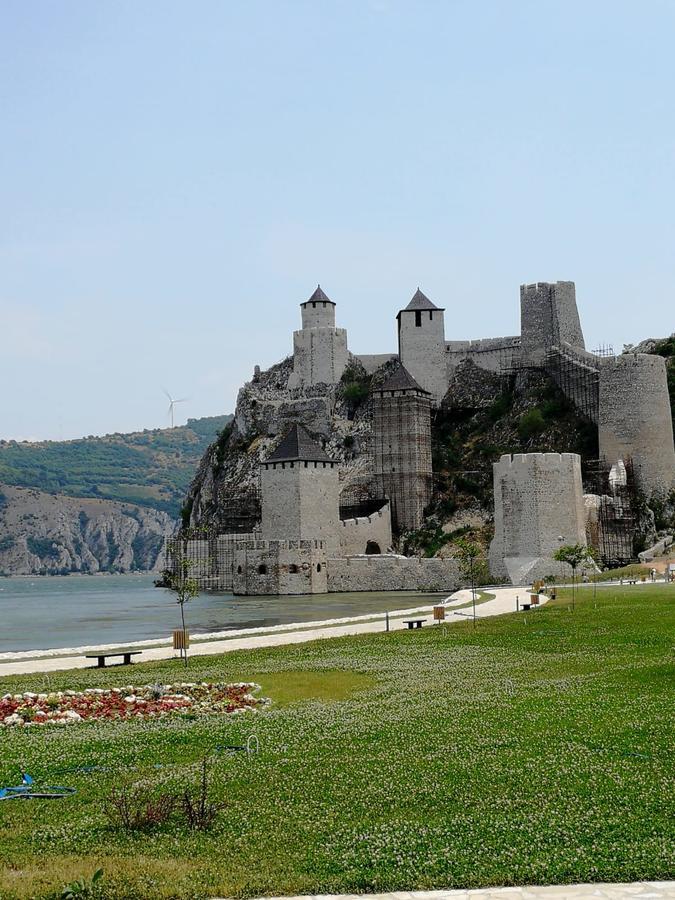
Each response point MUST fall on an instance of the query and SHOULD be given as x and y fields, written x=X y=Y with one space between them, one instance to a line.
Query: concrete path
x=639 y=890
x=47 y=661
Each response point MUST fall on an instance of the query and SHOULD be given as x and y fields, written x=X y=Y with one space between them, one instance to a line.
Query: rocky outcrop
x=47 y=534
x=338 y=416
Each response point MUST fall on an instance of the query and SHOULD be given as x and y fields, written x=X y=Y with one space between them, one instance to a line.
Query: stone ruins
x=337 y=489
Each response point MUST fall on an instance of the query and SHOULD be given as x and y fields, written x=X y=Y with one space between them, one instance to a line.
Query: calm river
x=50 y=612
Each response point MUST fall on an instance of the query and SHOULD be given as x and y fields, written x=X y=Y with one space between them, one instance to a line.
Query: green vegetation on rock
x=147 y=468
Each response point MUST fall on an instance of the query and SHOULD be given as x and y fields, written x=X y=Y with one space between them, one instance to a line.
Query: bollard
x=517 y=603
x=386 y=621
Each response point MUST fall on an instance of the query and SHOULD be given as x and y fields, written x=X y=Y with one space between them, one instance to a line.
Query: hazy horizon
x=175 y=181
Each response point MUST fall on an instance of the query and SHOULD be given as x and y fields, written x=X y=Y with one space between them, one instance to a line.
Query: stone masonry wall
x=493 y=354
x=392 y=573
x=300 y=501
x=422 y=349
x=635 y=421
x=320 y=356
x=548 y=317
x=355 y=534
x=280 y=567
x=539 y=506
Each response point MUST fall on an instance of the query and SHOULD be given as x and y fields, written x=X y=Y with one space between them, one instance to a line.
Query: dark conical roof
x=298 y=444
x=420 y=301
x=319 y=295
x=401 y=380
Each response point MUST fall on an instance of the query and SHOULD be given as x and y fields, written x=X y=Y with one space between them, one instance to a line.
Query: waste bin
x=181 y=639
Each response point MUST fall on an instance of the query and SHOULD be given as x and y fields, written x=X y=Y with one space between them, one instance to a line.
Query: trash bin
x=181 y=639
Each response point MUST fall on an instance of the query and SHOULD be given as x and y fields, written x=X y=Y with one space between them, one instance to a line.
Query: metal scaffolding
x=617 y=519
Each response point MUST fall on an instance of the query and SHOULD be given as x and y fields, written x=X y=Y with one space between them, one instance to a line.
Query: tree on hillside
x=574 y=555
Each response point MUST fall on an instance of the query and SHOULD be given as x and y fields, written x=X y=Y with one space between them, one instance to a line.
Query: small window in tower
x=314 y=305
x=318 y=567
x=239 y=570
x=418 y=318
x=293 y=569
x=262 y=569
x=431 y=314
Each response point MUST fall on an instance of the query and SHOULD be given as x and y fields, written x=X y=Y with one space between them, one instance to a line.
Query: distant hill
x=147 y=468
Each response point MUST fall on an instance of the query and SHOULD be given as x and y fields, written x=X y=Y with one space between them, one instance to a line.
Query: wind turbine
x=172 y=403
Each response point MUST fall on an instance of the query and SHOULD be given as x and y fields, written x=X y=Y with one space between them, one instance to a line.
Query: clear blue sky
x=175 y=178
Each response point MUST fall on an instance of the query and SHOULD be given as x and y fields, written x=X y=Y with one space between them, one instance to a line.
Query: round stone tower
x=320 y=352
x=421 y=345
x=539 y=506
x=634 y=419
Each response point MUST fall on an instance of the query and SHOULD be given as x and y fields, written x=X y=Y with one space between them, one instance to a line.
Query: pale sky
x=175 y=178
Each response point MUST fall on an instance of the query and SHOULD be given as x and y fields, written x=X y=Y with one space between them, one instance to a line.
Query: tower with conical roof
x=421 y=344
x=402 y=447
x=300 y=492
x=320 y=352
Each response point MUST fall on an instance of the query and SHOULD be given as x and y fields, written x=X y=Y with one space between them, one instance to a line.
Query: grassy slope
x=534 y=749
x=150 y=468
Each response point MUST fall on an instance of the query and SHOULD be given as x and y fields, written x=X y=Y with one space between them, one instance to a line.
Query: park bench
x=101 y=657
x=413 y=623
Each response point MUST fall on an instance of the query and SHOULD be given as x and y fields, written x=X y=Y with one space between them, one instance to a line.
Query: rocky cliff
x=46 y=534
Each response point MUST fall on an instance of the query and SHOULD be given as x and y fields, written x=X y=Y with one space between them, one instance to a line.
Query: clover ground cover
x=537 y=748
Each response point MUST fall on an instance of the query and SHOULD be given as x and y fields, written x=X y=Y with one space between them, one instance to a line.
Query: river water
x=78 y=610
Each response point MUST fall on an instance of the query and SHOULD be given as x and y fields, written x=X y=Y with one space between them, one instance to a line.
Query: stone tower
x=421 y=344
x=300 y=492
x=539 y=506
x=634 y=420
x=319 y=349
x=548 y=318
x=402 y=447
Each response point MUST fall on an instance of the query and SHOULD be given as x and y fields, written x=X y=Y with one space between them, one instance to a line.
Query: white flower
x=14 y=719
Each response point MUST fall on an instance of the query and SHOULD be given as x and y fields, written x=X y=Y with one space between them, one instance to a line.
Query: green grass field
x=536 y=748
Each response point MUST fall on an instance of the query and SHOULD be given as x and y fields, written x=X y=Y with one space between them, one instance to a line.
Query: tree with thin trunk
x=185 y=588
x=468 y=552
x=574 y=555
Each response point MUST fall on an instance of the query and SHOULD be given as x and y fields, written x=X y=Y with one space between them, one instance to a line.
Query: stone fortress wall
x=492 y=354
x=393 y=573
x=366 y=534
x=279 y=567
x=539 y=506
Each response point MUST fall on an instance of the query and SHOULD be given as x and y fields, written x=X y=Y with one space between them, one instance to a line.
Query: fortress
x=328 y=518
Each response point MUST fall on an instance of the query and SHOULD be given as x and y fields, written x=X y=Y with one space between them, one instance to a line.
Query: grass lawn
x=537 y=748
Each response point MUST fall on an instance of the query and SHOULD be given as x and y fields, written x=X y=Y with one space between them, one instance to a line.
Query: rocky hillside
x=43 y=534
x=146 y=468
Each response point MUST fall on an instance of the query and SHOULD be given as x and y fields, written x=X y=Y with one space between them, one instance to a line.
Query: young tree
x=185 y=588
x=574 y=555
x=468 y=552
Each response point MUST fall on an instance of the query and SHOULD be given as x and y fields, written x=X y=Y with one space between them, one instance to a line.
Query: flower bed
x=146 y=702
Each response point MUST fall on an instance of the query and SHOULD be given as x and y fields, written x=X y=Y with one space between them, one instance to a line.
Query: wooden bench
x=101 y=657
x=413 y=623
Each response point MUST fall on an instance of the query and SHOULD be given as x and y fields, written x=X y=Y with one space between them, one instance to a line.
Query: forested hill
x=148 y=468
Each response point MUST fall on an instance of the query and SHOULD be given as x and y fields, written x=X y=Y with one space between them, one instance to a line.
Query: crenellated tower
x=421 y=344
x=320 y=352
x=402 y=447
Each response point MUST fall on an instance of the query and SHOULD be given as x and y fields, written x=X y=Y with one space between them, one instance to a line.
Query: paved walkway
x=246 y=639
x=639 y=890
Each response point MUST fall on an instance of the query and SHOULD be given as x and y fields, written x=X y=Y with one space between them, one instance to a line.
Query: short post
x=386 y=621
x=517 y=603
